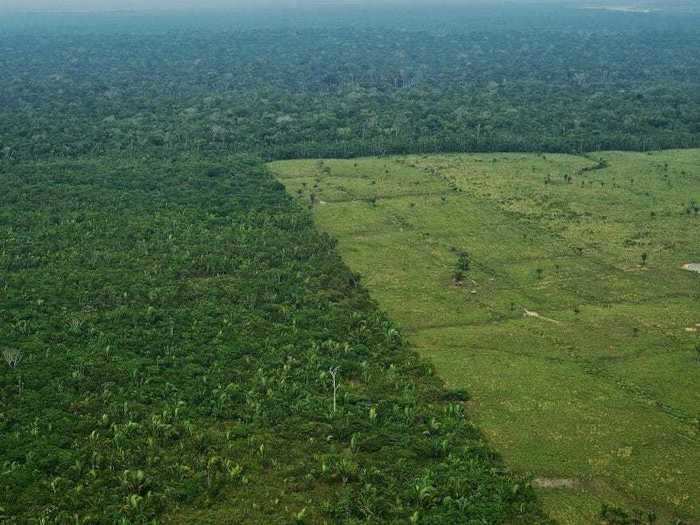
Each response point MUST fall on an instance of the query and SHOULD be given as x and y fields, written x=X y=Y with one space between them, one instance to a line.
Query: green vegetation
x=181 y=345
x=573 y=325
x=515 y=79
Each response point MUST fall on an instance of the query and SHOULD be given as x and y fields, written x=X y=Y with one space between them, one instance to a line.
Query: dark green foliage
x=546 y=79
x=177 y=322
x=611 y=515
x=463 y=261
x=167 y=326
x=461 y=267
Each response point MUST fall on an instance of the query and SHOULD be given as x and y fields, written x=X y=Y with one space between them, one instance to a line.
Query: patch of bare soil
x=530 y=313
x=692 y=267
x=554 y=483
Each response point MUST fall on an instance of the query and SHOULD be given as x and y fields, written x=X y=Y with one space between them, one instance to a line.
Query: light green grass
x=605 y=390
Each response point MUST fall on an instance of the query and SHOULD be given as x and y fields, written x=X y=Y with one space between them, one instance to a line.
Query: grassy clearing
x=600 y=388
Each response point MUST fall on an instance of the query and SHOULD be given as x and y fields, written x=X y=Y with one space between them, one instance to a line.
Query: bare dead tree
x=334 y=376
x=12 y=357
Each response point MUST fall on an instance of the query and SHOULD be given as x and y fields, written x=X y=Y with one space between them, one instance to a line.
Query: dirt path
x=530 y=313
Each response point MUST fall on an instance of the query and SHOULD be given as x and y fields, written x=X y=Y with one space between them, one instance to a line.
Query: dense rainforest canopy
x=175 y=326
x=546 y=79
x=179 y=343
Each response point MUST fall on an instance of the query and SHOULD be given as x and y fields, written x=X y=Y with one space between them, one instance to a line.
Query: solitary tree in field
x=463 y=265
x=463 y=262
x=645 y=256
x=692 y=208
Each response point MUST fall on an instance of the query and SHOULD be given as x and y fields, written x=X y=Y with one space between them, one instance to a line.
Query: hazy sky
x=134 y=4
x=100 y=5
x=161 y=4
x=61 y=5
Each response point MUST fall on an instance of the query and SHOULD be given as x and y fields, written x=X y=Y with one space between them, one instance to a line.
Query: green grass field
x=575 y=330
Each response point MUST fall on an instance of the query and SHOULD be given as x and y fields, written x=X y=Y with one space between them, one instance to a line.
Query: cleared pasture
x=576 y=329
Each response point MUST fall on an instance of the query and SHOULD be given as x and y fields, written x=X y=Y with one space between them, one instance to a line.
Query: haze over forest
x=97 y=5
x=317 y=262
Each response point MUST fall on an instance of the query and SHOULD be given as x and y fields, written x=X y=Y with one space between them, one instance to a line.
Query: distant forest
x=181 y=344
x=348 y=83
